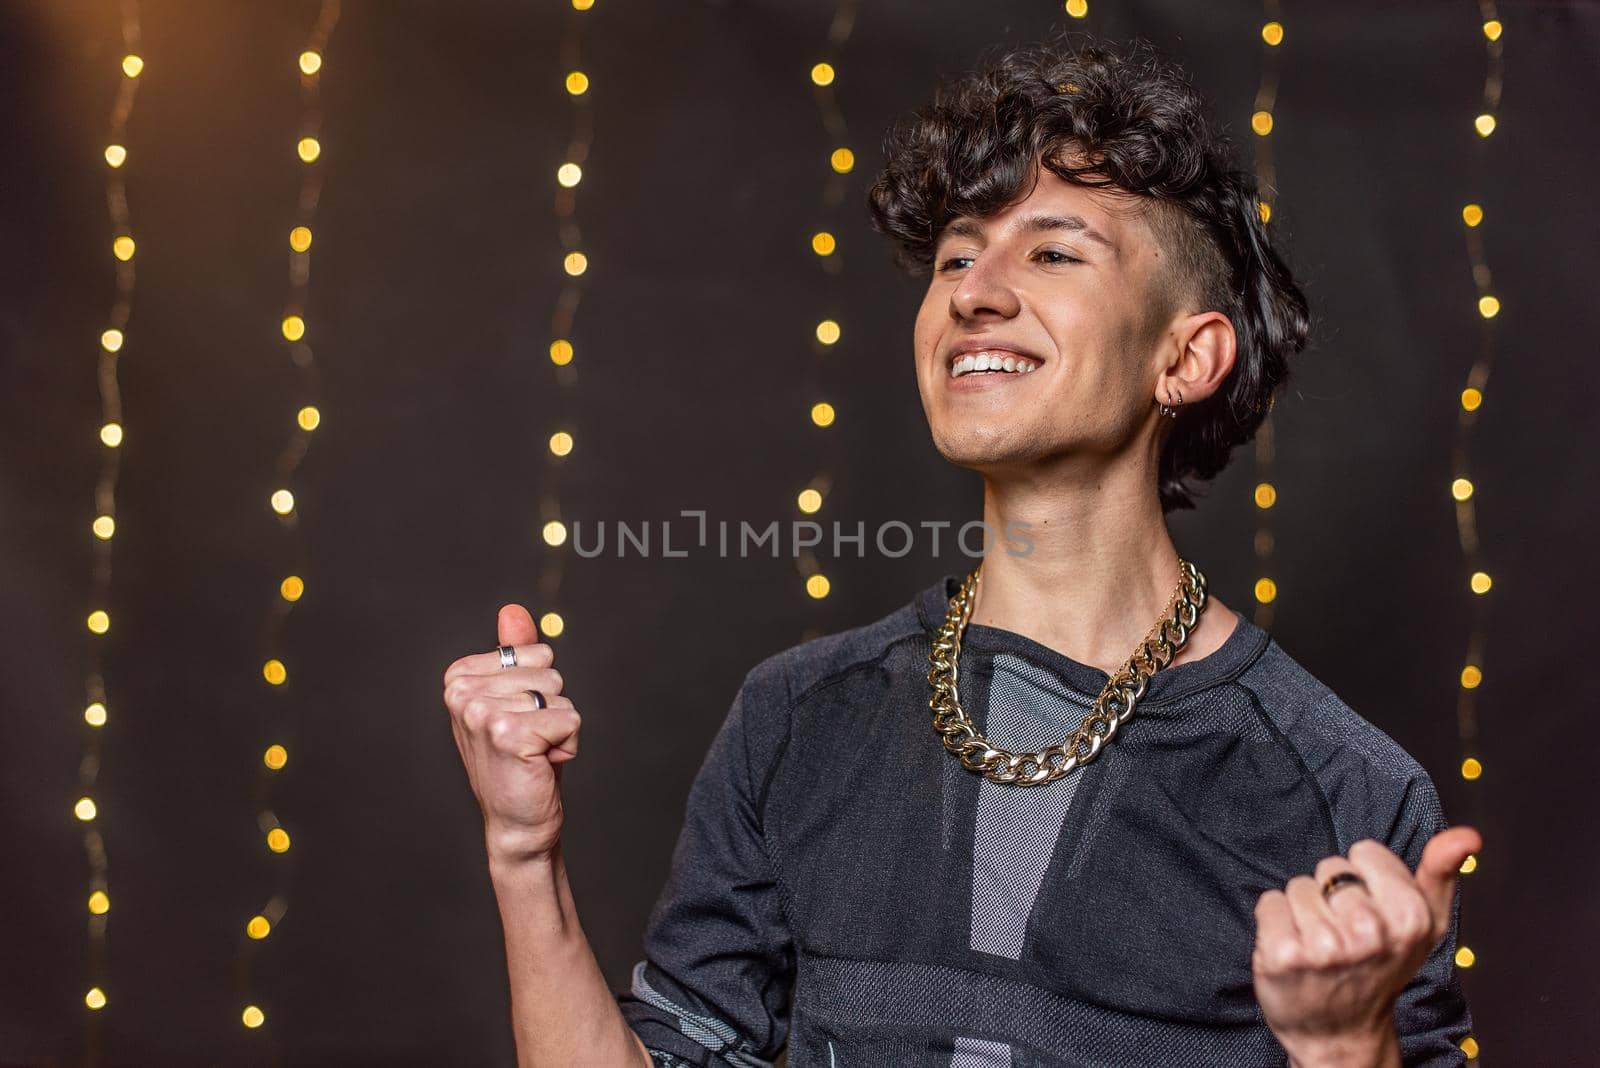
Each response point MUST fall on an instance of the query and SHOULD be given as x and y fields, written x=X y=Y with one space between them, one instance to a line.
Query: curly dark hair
x=1124 y=116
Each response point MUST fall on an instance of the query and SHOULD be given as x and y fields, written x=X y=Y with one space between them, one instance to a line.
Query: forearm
x=562 y=1010
x=1382 y=1051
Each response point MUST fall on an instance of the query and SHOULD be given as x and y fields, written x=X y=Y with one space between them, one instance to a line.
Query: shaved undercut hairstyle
x=1119 y=117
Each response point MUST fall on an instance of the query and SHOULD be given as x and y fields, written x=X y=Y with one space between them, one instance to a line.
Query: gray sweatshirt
x=842 y=886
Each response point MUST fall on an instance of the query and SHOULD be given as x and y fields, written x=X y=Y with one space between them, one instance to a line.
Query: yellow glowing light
x=99 y=621
x=569 y=175
x=253 y=1017
x=1472 y=214
x=1272 y=33
x=1465 y=958
x=817 y=586
x=1261 y=122
x=300 y=238
x=1469 y=1046
x=1481 y=582
x=132 y=65
x=810 y=501
x=274 y=672
x=561 y=443
x=1471 y=399
x=122 y=248
x=1266 y=495
x=95 y=714
x=308 y=417
x=575 y=263
x=561 y=352
x=1471 y=768
x=95 y=998
x=282 y=502
x=111 y=435
x=1266 y=590
x=292 y=588
x=577 y=83
x=309 y=148
x=1078 y=8
x=116 y=155
x=555 y=533
x=1484 y=124
x=310 y=62
x=99 y=903
x=104 y=527
x=1471 y=676
x=111 y=340
x=1488 y=307
x=84 y=809
x=275 y=757
x=258 y=927
x=823 y=243
x=278 y=840
x=1265 y=211
x=1469 y=865
x=582 y=5
x=1461 y=489
x=822 y=74
x=1492 y=29
x=294 y=328
x=822 y=413
x=828 y=331
x=843 y=160
x=551 y=625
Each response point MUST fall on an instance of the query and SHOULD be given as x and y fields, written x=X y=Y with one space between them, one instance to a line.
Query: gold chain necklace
x=1112 y=708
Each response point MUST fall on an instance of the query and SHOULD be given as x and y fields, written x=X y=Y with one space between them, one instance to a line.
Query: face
x=1055 y=292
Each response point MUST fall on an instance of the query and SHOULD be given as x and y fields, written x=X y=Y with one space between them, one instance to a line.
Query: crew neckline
x=1236 y=652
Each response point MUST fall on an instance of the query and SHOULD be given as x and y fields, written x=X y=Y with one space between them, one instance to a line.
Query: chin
x=981 y=451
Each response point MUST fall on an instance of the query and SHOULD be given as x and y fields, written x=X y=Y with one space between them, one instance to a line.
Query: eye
x=1064 y=258
x=945 y=266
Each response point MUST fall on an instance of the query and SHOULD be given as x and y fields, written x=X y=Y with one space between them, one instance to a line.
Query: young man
x=1243 y=871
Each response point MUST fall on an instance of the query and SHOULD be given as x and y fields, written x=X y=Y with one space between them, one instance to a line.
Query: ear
x=1203 y=348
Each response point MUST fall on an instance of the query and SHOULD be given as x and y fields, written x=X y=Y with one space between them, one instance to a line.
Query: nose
x=984 y=290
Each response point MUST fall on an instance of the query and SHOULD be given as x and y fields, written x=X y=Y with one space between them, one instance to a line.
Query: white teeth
x=985 y=361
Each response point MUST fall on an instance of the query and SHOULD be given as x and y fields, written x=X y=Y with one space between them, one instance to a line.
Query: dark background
x=434 y=274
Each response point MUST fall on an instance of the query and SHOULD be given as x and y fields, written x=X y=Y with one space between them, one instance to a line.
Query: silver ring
x=538 y=699
x=508 y=656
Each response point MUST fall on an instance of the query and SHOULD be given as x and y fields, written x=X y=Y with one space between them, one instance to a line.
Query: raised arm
x=563 y=1013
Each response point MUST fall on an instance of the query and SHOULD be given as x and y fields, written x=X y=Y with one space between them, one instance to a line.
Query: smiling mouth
x=991 y=362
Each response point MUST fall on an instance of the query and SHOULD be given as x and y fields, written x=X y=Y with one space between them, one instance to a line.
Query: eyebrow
x=1033 y=224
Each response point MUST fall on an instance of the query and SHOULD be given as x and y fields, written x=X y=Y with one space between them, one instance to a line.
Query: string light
x=1465 y=491
x=828 y=254
x=278 y=718
x=563 y=433
x=112 y=339
x=1265 y=495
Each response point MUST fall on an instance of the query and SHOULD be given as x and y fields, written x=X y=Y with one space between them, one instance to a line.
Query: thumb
x=1441 y=861
x=515 y=625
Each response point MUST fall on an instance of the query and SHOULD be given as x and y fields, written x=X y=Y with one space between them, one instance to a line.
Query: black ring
x=1339 y=879
x=538 y=699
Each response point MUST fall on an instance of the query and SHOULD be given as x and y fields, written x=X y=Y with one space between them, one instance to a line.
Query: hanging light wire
x=278 y=743
x=563 y=438
x=1264 y=494
x=827 y=332
x=113 y=344
x=1464 y=489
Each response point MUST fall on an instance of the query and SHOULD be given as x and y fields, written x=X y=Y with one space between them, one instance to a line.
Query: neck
x=1102 y=569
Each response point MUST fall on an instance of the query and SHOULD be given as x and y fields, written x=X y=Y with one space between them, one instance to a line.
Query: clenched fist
x=1328 y=967
x=513 y=750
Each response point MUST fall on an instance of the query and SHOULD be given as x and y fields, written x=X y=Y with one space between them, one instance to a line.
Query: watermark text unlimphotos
x=692 y=532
